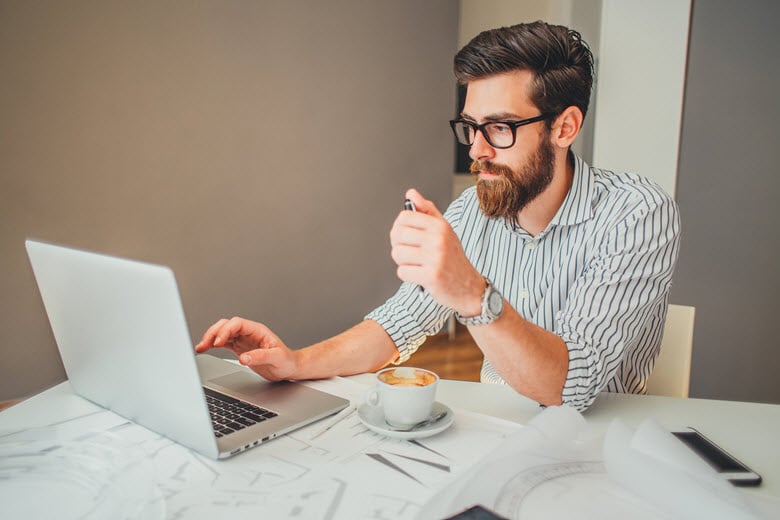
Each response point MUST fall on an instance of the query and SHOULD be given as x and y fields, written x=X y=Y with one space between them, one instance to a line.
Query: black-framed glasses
x=498 y=134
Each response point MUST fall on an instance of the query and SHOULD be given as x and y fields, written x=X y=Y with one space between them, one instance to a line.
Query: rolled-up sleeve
x=411 y=314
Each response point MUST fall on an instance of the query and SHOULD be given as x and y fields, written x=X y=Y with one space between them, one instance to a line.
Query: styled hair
x=559 y=59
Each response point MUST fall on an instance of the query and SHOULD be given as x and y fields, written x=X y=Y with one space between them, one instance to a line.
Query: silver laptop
x=121 y=331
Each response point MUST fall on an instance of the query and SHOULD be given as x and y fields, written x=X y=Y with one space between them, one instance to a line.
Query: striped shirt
x=598 y=276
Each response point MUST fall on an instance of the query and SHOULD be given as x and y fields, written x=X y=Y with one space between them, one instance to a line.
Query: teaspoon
x=430 y=420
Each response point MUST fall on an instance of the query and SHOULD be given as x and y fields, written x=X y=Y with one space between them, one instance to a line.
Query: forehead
x=500 y=94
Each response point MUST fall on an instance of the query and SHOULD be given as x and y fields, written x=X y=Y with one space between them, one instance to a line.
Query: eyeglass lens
x=499 y=135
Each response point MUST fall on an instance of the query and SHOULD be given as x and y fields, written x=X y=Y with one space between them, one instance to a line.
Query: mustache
x=487 y=166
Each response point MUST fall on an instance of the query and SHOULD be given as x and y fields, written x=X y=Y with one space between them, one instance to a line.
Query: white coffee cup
x=405 y=395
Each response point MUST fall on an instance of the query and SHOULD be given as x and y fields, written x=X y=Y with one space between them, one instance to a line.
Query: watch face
x=495 y=303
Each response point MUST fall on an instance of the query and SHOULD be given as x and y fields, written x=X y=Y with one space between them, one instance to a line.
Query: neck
x=538 y=213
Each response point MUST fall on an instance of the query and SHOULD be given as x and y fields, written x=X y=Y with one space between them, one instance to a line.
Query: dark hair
x=560 y=60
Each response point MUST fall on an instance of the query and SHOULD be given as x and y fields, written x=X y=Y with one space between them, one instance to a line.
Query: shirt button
x=524 y=294
x=531 y=245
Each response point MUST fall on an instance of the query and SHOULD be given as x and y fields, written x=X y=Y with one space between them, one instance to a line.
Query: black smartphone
x=723 y=462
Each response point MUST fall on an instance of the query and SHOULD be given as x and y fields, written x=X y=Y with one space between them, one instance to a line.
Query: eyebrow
x=500 y=116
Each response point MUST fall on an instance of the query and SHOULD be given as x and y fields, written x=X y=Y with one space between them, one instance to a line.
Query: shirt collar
x=577 y=207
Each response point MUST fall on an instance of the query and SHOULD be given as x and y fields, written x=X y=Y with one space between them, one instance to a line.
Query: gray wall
x=261 y=149
x=728 y=186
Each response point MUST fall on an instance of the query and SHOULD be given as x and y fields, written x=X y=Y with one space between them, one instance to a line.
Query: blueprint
x=112 y=465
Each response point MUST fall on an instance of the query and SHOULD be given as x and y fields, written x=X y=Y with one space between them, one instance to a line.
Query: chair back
x=672 y=372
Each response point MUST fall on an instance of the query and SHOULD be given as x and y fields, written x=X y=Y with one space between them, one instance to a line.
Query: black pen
x=409 y=205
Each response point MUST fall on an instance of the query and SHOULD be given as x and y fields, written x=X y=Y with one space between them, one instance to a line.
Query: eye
x=499 y=128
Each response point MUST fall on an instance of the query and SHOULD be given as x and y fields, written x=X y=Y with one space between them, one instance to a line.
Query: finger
x=257 y=333
x=411 y=273
x=256 y=357
x=409 y=219
x=406 y=235
x=207 y=341
x=276 y=358
x=200 y=348
x=407 y=255
x=422 y=204
x=224 y=331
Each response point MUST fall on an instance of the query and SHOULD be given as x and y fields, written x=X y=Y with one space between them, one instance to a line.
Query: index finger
x=225 y=331
x=207 y=340
x=422 y=204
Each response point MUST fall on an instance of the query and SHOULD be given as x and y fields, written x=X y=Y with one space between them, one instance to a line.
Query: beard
x=508 y=195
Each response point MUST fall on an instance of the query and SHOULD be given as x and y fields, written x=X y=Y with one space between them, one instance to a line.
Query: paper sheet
x=544 y=471
x=656 y=466
x=348 y=472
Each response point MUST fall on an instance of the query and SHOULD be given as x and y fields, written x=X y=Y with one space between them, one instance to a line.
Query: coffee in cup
x=405 y=395
x=406 y=376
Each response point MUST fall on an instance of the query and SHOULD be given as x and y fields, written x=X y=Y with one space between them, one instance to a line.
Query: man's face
x=508 y=179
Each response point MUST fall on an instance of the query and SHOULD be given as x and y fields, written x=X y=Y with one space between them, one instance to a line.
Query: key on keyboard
x=229 y=414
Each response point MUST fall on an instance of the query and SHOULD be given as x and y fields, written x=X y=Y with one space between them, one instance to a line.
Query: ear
x=567 y=127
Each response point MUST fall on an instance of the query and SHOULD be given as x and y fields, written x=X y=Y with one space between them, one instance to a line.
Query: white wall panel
x=640 y=86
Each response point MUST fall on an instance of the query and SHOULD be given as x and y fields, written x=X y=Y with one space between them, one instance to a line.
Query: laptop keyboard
x=229 y=415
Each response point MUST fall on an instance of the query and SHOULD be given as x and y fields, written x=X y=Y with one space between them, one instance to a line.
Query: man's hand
x=255 y=345
x=429 y=253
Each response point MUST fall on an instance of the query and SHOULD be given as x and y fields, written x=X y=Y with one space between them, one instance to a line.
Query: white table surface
x=750 y=431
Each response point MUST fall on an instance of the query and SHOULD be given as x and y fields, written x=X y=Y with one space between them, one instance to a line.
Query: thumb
x=259 y=356
x=422 y=204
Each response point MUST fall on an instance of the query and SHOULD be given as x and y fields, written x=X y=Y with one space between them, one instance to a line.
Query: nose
x=480 y=149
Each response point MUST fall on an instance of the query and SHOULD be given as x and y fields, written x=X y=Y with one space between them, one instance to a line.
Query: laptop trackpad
x=241 y=382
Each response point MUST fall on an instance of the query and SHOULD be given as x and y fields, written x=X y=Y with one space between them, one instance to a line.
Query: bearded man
x=560 y=271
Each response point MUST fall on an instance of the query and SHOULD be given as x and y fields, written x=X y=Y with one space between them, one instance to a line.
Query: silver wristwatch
x=492 y=307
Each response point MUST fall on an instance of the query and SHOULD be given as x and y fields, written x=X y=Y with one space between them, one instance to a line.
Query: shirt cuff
x=393 y=323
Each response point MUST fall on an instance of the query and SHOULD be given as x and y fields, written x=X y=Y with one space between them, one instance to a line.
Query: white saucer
x=373 y=419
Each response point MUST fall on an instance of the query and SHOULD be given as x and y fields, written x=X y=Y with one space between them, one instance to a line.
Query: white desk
x=750 y=431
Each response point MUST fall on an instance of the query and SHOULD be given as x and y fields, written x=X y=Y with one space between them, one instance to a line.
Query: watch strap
x=487 y=316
